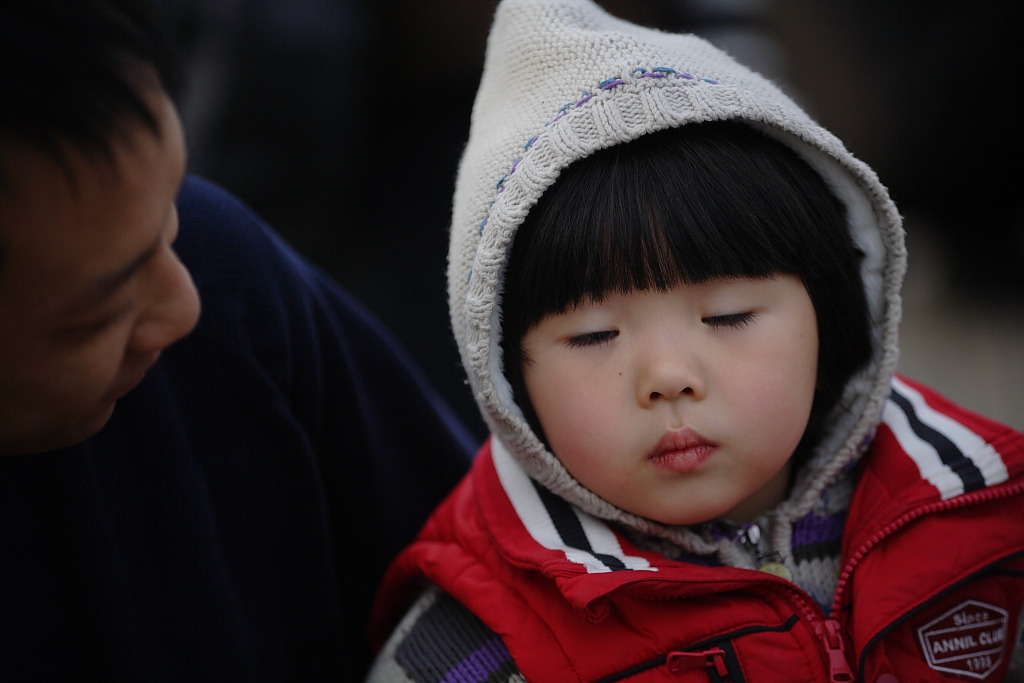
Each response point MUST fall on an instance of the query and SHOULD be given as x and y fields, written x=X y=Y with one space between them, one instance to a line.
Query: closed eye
x=591 y=339
x=733 y=320
x=90 y=329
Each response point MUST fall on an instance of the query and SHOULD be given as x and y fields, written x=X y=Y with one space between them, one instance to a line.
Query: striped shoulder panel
x=448 y=643
x=954 y=459
x=559 y=526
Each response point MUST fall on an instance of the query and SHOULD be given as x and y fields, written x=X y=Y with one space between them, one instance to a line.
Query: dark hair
x=70 y=72
x=686 y=205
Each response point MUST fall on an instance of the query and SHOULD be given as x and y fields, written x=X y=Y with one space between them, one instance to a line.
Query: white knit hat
x=563 y=79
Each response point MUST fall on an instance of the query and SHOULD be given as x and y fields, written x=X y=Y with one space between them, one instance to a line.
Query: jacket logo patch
x=968 y=640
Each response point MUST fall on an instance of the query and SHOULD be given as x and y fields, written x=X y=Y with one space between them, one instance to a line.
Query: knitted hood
x=563 y=79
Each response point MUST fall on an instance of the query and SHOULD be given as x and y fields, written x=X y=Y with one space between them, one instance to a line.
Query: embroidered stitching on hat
x=604 y=86
x=968 y=640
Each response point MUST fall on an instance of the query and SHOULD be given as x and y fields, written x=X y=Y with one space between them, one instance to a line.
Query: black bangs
x=678 y=206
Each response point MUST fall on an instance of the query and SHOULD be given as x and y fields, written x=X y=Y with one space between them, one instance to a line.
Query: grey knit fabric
x=562 y=79
x=440 y=640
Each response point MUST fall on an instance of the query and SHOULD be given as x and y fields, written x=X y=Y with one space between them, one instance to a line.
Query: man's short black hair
x=687 y=205
x=71 y=72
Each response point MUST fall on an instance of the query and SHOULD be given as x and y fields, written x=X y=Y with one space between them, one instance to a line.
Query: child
x=677 y=299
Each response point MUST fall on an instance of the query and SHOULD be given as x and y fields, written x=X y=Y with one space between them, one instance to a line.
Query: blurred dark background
x=342 y=122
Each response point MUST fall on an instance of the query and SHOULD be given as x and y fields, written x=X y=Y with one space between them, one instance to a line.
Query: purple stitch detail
x=815 y=529
x=719 y=531
x=478 y=666
x=607 y=84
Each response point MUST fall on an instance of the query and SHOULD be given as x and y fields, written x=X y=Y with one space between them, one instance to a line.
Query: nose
x=173 y=308
x=670 y=372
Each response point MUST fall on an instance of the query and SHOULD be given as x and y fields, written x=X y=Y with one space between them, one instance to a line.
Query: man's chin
x=56 y=439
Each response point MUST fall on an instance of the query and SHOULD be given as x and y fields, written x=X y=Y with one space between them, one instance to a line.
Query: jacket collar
x=927 y=452
x=585 y=556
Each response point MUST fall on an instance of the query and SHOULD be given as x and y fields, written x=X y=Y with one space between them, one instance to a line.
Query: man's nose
x=173 y=310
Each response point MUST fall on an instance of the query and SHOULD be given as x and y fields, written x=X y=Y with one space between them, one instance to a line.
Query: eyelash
x=590 y=339
x=733 y=320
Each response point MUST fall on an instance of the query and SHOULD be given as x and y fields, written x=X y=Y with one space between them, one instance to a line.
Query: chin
x=63 y=432
x=87 y=427
x=683 y=519
x=693 y=516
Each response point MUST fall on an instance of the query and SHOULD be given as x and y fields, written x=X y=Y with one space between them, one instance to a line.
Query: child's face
x=680 y=406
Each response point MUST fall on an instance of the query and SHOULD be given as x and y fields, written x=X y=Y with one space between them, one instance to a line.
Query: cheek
x=553 y=402
x=581 y=420
x=775 y=406
x=57 y=396
x=89 y=369
x=776 y=395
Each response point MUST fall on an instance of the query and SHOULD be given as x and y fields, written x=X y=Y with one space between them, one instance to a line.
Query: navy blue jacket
x=233 y=518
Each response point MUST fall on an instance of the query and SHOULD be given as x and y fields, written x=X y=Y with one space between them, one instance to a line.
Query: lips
x=682 y=450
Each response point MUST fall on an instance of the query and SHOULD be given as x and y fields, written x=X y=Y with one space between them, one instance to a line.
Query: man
x=208 y=451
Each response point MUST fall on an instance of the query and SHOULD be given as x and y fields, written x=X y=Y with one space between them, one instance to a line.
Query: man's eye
x=90 y=329
x=95 y=327
x=592 y=339
x=733 y=320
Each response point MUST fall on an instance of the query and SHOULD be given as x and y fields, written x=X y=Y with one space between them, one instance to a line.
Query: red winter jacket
x=931 y=590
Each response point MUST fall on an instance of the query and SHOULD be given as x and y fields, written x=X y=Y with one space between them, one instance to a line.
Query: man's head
x=91 y=159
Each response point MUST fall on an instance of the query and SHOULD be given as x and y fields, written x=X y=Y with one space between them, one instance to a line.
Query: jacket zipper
x=831 y=636
x=707 y=654
x=826 y=628
x=977 y=497
x=982 y=496
x=829 y=633
x=713 y=659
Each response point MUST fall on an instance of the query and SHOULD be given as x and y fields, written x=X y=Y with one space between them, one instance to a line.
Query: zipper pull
x=708 y=659
x=839 y=668
x=750 y=539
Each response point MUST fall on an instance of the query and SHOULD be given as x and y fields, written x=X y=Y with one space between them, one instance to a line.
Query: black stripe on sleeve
x=950 y=455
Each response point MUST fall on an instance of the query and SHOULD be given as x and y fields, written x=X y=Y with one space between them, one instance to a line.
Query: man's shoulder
x=247 y=275
x=218 y=231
